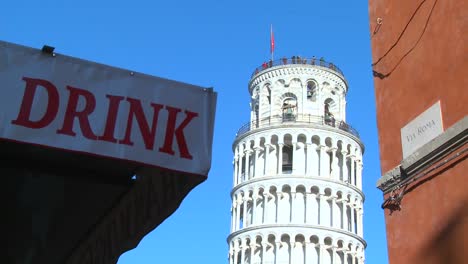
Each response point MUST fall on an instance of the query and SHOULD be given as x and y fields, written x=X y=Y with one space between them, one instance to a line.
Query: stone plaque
x=421 y=130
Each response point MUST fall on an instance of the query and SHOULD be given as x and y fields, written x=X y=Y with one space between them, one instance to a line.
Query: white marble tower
x=297 y=195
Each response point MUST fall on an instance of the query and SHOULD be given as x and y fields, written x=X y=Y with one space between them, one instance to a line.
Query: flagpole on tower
x=272 y=42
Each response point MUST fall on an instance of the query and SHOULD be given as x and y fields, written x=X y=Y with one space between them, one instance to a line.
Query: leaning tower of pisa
x=297 y=195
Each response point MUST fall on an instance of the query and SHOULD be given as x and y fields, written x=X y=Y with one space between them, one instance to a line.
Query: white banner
x=76 y=105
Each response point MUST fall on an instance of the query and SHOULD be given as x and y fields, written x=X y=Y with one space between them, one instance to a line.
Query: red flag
x=272 y=40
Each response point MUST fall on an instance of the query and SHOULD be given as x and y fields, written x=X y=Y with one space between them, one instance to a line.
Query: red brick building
x=420 y=63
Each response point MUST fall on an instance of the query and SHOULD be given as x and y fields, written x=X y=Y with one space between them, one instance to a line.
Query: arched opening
x=257 y=254
x=328 y=253
x=328 y=157
x=287 y=162
x=328 y=112
x=250 y=164
x=314 y=206
x=311 y=91
x=270 y=206
x=287 y=159
x=328 y=208
x=260 y=161
x=259 y=207
x=300 y=155
x=249 y=219
x=241 y=214
x=313 y=250
x=314 y=160
x=341 y=252
x=289 y=109
x=355 y=221
x=298 y=251
x=284 y=250
x=256 y=111
x=341 y=161
x=348 y=217
x=270 y=250
x=299 y=204
x=341 y=209
x=284 y=205
x=247 y=251
x=271 y=157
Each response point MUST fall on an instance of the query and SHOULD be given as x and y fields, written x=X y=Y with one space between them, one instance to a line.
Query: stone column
x=294 y=165
x=323 y=217
x=268 y=162
x=334 y=165
x=311 y=206
x=308 y=159
x=247 y=164
x=345 y=215
x=351 y=180
x=254 y=207
x=264 y=247
x=238 y=213
x=244 y=212
x=292 y=204
x=335 y=213
x=306 y=252
x=360 y=222
x=253 y=246
x=320 y=253
x=307 y=207
x=324 y=162
x=243 y=247
x=233 y=216
x=353 y=227
x=359 y=174
x=345 y=166
x=236 y=257
x=280 y=158
x=334 y=255
x=241 y=162
x=256 y=173
x=279 y=196
x=265 y=200
x=236 y=160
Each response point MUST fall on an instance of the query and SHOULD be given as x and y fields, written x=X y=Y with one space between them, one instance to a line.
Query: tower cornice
x=296 y=69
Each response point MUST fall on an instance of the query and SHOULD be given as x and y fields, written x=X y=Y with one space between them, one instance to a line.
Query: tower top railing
x=298 y=119
x=297 y=60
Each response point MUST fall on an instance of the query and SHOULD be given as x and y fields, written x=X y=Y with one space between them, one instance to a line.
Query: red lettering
x=137 y=111
x=71 y=113
x=179 y=132
x=114 y=102
x=24 y=115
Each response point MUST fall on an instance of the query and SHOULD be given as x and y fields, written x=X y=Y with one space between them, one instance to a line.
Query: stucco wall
x=426 y=64
x=429 y=207
x=420 y=57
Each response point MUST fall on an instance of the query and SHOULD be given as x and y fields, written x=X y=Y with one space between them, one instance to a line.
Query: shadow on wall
x=451 y=244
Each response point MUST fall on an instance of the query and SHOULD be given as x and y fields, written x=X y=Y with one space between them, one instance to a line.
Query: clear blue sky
x=216 y=44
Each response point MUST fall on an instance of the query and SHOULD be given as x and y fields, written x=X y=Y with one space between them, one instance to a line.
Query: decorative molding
x=295 y=69
x=312 y=127
x=266 y=229
x=426 y=156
